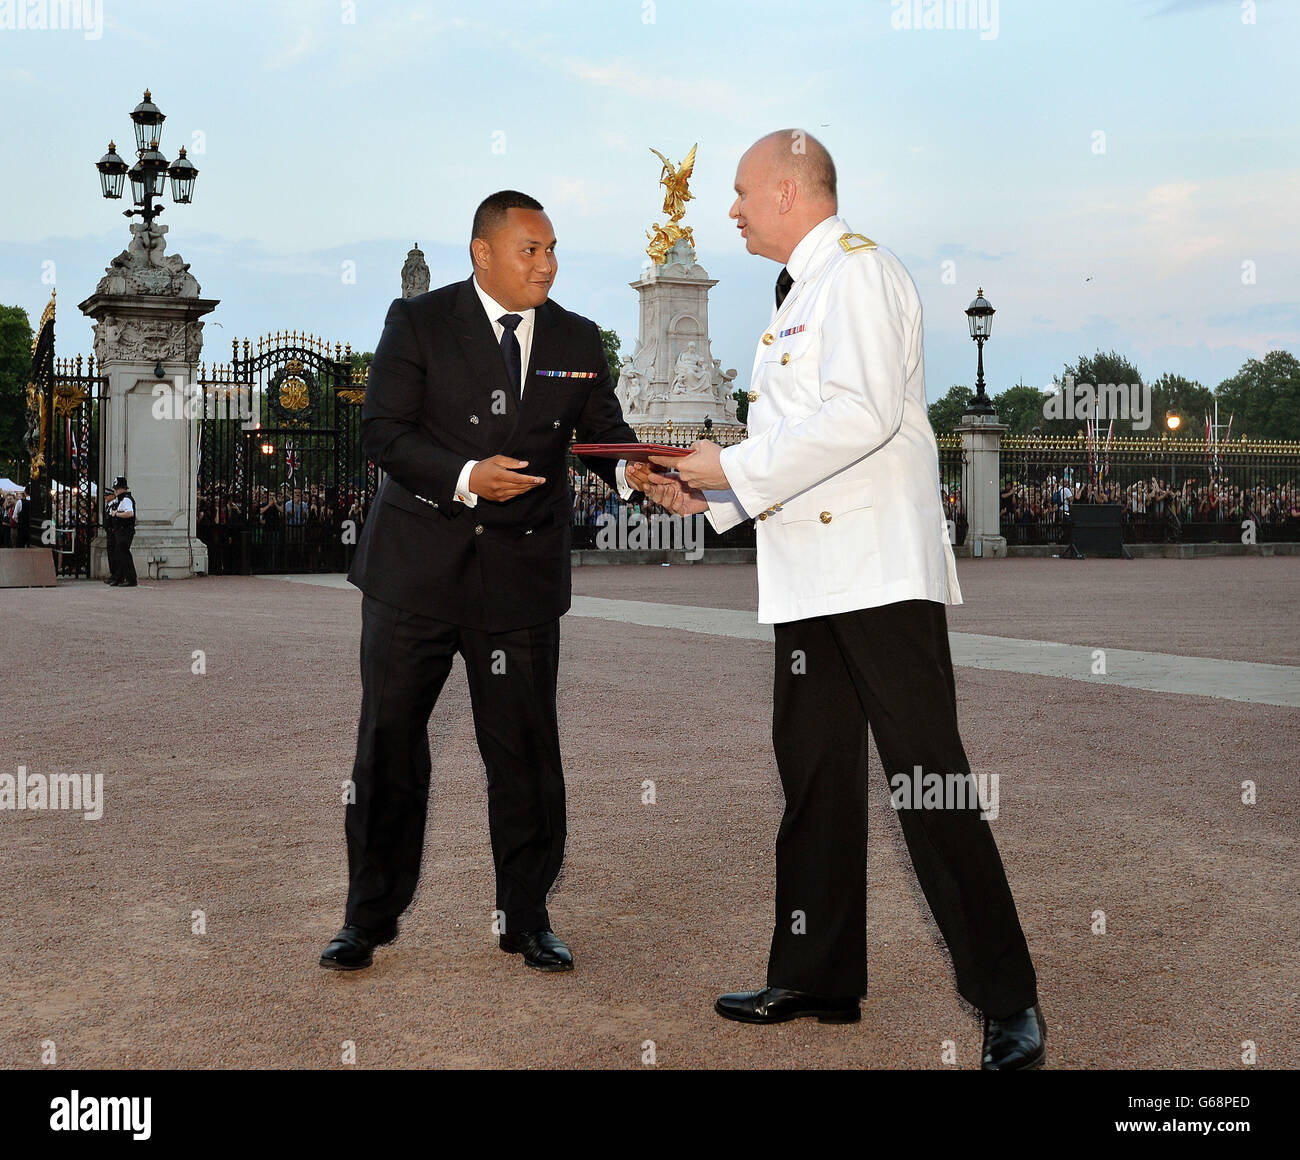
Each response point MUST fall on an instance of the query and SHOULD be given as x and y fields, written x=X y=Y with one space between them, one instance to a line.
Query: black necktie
x=783 y=284
x=510 y=349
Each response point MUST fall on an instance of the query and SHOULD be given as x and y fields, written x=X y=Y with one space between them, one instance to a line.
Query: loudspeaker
x=1097 y=529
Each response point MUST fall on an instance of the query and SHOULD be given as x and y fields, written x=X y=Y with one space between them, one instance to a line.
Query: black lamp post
x=979 y=314
x=150 y=172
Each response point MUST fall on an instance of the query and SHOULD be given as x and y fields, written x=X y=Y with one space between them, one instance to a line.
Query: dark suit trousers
x=889 y=668
x=120 y=546
x=405 y=659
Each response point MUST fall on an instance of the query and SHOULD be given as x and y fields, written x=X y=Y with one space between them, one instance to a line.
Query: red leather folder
x=632 y=452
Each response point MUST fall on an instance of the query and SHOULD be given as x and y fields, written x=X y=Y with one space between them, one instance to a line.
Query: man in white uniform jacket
x=840 y=470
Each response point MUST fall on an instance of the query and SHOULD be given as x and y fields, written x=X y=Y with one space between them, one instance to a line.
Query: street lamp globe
x=155 y=169
x=979 y=315
x=182 y=172
x=112 y=171
x=148 y=119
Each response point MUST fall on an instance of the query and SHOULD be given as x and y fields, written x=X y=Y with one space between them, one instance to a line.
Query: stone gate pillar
x=981 y=482
x=148 y=336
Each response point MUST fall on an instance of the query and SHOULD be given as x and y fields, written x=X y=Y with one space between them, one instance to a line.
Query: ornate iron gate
x=283 y=483
x=63 y=442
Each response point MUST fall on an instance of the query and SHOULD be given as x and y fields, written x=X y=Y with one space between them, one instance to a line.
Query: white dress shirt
x=524 y=333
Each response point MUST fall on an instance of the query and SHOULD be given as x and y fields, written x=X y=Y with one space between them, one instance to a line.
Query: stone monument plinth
x=672 y=374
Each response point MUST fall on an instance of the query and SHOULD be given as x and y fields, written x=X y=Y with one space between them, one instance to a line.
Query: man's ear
x=787 y=189
x=480 y=250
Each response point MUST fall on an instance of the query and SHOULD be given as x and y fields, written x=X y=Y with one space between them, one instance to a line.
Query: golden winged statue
x=674 y=180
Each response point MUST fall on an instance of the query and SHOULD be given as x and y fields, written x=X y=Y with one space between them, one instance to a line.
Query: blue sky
x=329 y=133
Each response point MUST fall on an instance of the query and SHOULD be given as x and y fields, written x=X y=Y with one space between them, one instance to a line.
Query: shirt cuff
x=725 y=510
x=625 y=490
x=463 y=493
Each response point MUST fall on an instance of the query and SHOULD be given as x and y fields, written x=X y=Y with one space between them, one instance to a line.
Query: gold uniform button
x=825 y=517
x=785 y=358
x=752 y=396
x=762 y=515
x=768 y=339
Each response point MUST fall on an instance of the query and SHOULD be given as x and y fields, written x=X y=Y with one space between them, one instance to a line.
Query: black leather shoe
x=1016 y=1043
x=542 y=950
x=777 y=1005
x=352 y=947
x=129 y=584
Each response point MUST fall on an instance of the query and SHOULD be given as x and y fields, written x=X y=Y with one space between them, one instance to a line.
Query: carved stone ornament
x=143 y=268
x=155 y=340
x=415 y=273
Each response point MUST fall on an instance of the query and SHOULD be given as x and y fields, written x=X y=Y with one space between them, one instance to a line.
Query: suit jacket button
x=473 y=418
x=478 y=528
x=825 y=517
x=556 y=423
x=752 y=396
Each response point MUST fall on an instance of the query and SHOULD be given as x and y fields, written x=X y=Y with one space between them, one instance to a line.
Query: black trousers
x=121 y=564
x=889 y=667
x=405 y=659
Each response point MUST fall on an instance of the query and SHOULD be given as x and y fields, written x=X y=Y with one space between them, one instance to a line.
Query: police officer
x=854 y=570
x=110 y=534
x=122 y=517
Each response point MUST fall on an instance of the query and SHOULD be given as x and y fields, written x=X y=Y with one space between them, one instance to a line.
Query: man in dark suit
x=474 y=392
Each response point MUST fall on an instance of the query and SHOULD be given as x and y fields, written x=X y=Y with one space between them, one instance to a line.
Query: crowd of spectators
x=285 y=528
x=1161 y=508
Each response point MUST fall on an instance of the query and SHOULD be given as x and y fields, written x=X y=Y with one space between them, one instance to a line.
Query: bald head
x=785 y=185
x=800 y=157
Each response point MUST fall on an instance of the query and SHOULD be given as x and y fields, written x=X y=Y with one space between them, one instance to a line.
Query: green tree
x=15 y=367
x=1264 y=396
x=1189 y=399
x=1103 y=368
x=742 y=405
x=946 y=413
x=610 y=341
x=1021 y=408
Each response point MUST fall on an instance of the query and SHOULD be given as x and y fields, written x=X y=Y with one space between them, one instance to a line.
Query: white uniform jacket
x=840 y=467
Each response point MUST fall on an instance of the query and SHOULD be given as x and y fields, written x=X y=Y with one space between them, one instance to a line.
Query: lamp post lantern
x=150 y=172
x=979 y=315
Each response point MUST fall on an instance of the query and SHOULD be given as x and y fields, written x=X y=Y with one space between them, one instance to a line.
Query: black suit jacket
x=439 y=394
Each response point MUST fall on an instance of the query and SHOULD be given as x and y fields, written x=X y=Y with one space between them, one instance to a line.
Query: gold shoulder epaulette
x=851 y=242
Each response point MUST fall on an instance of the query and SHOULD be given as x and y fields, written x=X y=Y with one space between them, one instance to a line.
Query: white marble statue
x=690 y=375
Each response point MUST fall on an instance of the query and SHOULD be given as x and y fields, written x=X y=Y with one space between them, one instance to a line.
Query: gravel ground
x=222 y=795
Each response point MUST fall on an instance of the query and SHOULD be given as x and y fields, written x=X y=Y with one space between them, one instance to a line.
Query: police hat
x=119 y=483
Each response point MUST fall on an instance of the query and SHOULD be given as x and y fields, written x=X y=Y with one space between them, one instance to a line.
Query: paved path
x=1250 y=681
